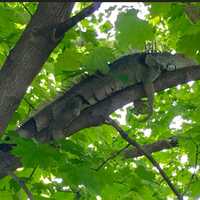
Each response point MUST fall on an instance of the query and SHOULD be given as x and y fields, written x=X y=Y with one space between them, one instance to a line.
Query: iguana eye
x=171 y=67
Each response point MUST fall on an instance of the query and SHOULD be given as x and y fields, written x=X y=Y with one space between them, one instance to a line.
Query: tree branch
x=33 y=172
x=150 y=148
x=71 y=22
x=22 y=185
x=27 y=10
x=132 y=142
x=195 y=169
x=8 y=161
x=134 y=152
x=193 y=12
x=28 y=56
x=92 y=115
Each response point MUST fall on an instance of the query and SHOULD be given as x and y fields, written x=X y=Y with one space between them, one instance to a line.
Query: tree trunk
x=28 y=56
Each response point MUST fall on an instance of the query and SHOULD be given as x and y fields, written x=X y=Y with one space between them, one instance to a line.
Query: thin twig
x=30 y=105
x=195 y=166
x=32 y=173
x=22 y=185
x=114 y=154
x=28 y=11
x=125 y=136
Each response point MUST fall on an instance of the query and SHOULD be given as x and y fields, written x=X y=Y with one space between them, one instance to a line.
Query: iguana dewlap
x=126 y=71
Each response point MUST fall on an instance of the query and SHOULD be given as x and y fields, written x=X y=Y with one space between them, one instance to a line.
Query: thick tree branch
x=28 y=56
x=132 y=142
x=32 y=50
x=92 y=115
x=8 y=163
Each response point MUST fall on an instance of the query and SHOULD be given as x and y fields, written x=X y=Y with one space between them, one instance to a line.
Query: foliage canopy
x=65 y=170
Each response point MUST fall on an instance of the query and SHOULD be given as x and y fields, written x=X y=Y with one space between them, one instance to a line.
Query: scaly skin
x=126 y=71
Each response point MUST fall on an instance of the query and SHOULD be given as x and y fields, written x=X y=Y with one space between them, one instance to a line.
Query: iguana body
x=125 y=71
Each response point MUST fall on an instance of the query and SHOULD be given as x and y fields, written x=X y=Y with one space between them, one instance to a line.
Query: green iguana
x=126 y=71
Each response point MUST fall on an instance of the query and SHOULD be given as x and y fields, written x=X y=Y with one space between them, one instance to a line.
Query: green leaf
x=6 y=195
x=33 y=154
x=72 y=147
x=70 y=59
x=98 y=59
x=132 y=32
x=89 y=36
x=63 y=195
x=195 y=189
x=106 y=27
x=144 y=173
x=188 y=44
x=70 y=163
x=159 y=9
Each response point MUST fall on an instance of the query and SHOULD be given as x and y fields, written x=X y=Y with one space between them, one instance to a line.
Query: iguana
x=126 y=71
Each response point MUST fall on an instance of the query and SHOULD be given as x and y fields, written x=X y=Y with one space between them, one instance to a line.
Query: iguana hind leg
x=70 y=112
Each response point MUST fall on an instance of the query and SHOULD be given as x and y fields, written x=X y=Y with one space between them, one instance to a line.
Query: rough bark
x=8 y=163
x=95 y=114
x=151 y=148
x=44 y=31
x=148 y=155
x=28 y=56
x=26 y=60
x=193 y=12
x=32 y=50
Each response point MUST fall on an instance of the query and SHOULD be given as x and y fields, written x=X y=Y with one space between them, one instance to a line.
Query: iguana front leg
x=149 y=90
x=140 y=105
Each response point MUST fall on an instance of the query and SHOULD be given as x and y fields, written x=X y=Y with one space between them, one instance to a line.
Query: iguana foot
x=139 y=107
x=142 y=108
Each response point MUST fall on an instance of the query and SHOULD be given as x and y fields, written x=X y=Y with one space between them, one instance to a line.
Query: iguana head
x=168 y=61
